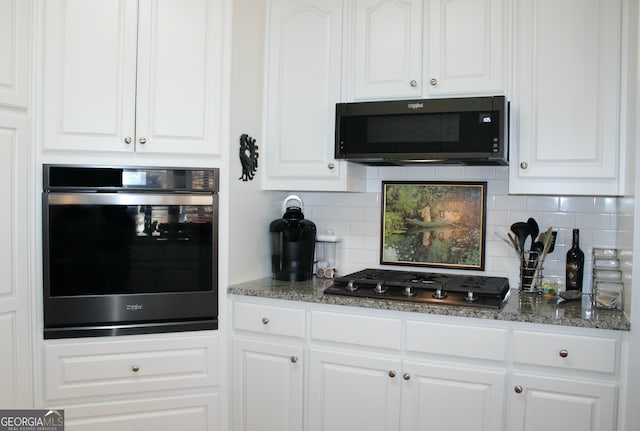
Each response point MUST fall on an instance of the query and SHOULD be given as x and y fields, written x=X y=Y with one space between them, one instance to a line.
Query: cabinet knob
x=392 y=373
x=406 y=376
x=564 y=353
x=265 y=321
x=524 y=165
x=294 y=359
x=413 y=83
x=433 y=82
x=518 y=389
x=135 y=368
x=142 y=140
x=331 y=166
x=127 y=139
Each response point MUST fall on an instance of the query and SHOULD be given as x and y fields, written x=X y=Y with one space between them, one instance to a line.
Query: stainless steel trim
x=128 y=199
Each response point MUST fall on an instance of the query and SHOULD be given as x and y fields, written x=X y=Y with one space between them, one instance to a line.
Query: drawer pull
x=406 y=376
x=294 y=359
x=564 y=353
x=392 y=373
x=518 y=389
x=265 y=321
x=135 y=368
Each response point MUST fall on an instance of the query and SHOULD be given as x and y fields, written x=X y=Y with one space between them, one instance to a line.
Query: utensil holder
x=530 y=279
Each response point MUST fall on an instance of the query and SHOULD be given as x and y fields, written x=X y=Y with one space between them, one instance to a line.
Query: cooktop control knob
x=409 y=291
x=352 y=286
x=439 y=293
x=380 y=288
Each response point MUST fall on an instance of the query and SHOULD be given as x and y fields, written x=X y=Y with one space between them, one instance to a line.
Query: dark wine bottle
x=575 y=264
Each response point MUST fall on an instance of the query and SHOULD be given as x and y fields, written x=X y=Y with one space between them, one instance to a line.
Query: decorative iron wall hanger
x=248 y=157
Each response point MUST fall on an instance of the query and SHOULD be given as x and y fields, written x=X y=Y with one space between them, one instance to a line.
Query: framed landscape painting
x=436 y=224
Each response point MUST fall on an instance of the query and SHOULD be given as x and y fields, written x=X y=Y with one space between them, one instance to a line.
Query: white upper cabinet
x=387 y=48
x=414 y=49
x=303 y=67
x=14 y=52
x=566 y=115
x=467 y=45
x=133 y=75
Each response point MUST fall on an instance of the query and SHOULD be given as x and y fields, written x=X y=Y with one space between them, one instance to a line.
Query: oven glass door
x=128 y=243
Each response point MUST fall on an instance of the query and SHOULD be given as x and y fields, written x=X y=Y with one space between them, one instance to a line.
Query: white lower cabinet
x=386 y=370
x=267 y=388
x=451 y=397
x=565 y=380
x=539 y=403
x=268 y=367
x=141 y=382
x=350 y=391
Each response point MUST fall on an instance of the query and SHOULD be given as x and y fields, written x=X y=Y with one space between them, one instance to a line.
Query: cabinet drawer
x=360 y=330
x=268 y=319
x=90 y=368
x=201 y=412
x=565 y=351
x=457 y=340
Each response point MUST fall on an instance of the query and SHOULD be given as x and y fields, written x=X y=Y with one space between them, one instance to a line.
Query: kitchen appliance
x=467 y=131
x=129 y=250
x=293 y=241
x=424 y=287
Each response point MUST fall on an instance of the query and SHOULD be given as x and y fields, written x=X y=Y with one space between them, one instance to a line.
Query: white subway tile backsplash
x=577 y=203
x=356 y=218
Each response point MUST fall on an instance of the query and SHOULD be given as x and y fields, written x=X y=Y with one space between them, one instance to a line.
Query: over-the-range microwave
x=466 y=130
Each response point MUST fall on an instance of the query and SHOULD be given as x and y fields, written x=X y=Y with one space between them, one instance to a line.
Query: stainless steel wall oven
x=129 y=250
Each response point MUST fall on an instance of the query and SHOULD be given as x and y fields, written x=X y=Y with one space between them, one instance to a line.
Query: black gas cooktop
x=424 y=287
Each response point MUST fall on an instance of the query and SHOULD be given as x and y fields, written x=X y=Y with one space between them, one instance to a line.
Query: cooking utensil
x=548 y=237
x=522 y=231
x=535 y=229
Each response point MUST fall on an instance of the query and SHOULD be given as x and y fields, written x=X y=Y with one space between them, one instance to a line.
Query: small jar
x=608 y=295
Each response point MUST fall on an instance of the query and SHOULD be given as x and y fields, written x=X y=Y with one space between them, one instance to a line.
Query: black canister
x=293 y=242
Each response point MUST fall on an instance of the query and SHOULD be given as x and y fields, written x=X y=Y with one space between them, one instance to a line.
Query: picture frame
x=438 y=224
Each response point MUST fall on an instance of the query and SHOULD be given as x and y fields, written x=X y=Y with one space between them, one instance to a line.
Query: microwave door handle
x=129 y=199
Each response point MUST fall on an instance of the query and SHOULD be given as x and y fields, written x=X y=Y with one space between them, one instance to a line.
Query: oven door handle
x=129 y=199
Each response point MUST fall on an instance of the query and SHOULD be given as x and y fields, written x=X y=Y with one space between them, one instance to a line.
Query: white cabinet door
x=353 y=392
x=15 y=356
x=179 y=87
x=267 y=386
x=448 y=398
x=543 y=403
x=133 y=75
x=467 y=47
x=14 y=52
x=387 y=49
x=303 y=67
x=89 y=74
x=567 y=93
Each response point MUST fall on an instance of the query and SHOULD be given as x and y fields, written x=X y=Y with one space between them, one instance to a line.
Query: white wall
x=356 y=218
x=251 y=210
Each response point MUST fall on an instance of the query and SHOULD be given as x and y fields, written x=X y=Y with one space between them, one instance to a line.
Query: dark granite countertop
x=519 y=308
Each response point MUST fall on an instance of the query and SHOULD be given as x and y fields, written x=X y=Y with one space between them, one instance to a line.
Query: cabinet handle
x=433 y=82
x=524 y=165
x=564 y=353
x=406 y=376
x=413 y=83
x=142 y=140
x=127 y=139
x=392 y=373
x=518 y=389
x=331 y=166
x=135 y=368
x=294 y=359
x=265 y=321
